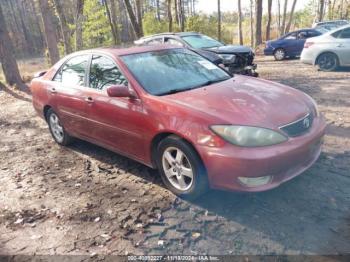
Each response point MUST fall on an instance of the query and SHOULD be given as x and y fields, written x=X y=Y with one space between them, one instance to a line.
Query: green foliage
x=152 y=26
x=96 y=29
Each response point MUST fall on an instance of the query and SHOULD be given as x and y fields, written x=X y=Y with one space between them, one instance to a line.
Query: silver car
x=328 y=51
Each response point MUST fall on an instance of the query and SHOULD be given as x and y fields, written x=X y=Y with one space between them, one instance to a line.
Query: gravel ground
x=86 y=200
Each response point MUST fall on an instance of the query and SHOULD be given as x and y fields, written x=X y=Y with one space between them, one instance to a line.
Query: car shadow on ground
x=306 y=214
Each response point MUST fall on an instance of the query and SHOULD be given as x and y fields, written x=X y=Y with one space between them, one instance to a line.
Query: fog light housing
x=254 y=181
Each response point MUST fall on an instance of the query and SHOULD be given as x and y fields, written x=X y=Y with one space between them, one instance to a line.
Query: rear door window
x=291 y=36
x=73 y=71
x=345 y=34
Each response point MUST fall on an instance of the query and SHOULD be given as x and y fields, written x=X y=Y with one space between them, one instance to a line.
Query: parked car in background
x=236 y=58
x=329 y=50
x=173 y=110
x=291 y=44
x=330 y=25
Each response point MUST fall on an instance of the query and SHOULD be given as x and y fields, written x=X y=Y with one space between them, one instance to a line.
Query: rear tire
x=57 y=130
x=327 y=62
x=279 y=54
x=181 y=168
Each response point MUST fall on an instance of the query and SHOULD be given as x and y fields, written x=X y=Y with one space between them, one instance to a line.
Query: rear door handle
x=53 y=90
x=89 y=100
x=340 y=45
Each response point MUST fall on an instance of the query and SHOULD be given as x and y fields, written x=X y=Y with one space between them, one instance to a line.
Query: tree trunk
x=258 y=20
x=79 y=17
x=283 y=26
x=240 y=33
x=291 y=17
x=132 y=19
x=219 y=20
x=176 y=13
x=139 y=15
x=115 y=19
x=170 y=17
x=108 y=12
x=64 y=27
x=279 y=17
x=320 y=11
x=181 y=15
x=50 y=32
x=7 y=59
x=268 y=24
x=157 y=10
x=251 y=24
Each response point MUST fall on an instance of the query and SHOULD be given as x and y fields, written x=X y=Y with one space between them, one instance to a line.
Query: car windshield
x=201 y=41
x=171 y=71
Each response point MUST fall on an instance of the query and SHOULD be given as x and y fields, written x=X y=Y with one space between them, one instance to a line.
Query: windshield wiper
x=210 y=82
x=174 y=91
x=178 y=90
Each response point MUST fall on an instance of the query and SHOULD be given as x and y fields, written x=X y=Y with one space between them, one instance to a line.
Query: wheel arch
x=45 y=110
x=161 y=136
x=326 y=52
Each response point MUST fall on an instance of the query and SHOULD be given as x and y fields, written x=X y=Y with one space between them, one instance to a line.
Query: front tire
x=279 y=54
x=181 y=168
x=57 y=130
x=327 y=62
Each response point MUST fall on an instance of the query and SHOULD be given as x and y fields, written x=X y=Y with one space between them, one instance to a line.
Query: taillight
x=308 y=44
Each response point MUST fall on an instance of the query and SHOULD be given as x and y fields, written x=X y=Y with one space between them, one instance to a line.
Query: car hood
x=246 y=101
x=230 y=49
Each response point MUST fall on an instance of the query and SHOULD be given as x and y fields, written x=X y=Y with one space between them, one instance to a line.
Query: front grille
x=244 y=59
x=298 y=127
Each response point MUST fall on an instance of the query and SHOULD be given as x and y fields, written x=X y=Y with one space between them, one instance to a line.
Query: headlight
x=249 y=136
x=227 y=57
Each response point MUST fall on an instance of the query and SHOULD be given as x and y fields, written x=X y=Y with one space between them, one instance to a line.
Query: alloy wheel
x=279 y=54
x=177 y=168
x=56 y=127
x=327 y=62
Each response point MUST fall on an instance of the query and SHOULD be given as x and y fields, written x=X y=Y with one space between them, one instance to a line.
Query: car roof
x=169 y=34
x=338 y=29
x=116 y=51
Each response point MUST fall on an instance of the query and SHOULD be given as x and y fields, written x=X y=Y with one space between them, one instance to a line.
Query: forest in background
x=54 y=28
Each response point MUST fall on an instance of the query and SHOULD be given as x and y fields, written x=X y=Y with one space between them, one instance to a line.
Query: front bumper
x=282 y=162
x=269 y=50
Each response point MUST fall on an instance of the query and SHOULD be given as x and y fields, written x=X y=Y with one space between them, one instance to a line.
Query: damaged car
x=237 y=59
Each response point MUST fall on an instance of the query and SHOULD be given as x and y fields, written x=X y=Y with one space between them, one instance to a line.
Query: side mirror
x=120 y=91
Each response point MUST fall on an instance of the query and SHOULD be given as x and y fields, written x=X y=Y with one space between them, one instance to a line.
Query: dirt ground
x=86 y=200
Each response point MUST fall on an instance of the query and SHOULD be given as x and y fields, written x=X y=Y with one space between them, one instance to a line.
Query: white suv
x=328 y=51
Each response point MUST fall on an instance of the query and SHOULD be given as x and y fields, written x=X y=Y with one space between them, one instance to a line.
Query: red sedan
x=171 y=109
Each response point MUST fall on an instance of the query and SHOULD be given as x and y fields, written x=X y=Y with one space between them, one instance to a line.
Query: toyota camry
x=172 y=110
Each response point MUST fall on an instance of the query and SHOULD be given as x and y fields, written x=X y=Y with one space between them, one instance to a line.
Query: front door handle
x=89 y=100
x=53 y=90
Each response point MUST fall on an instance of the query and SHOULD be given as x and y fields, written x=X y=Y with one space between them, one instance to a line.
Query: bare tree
x=79 y=17
x=289 y=24
x=181 y=15
x=269 y=18
x=50 y=34
x=219 y=20
x=7 y=59
x=158 y=10
x=170 y=17
x=258 y=20
x=240 y=33
x=139 y=15
x=111 y=24
x=135 y=25
x=283 y=26
x=251 y=23
x=320 y=10
x=114 y=19
x=64 y=27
